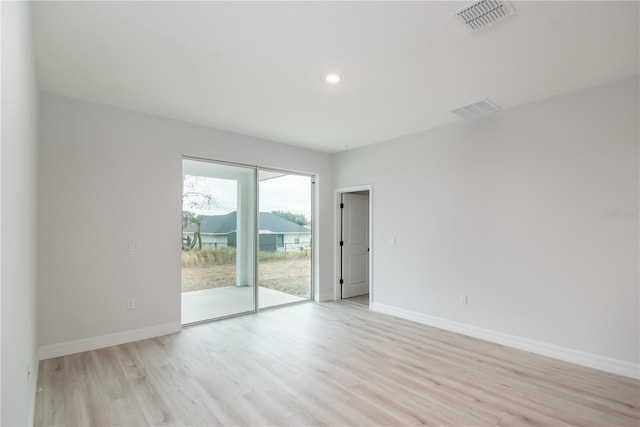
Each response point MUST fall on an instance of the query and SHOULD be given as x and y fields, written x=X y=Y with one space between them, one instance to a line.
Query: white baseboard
x=325 y=298
x=590 y=360
x=102 y=341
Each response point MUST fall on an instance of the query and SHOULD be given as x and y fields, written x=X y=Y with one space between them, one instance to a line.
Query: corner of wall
x=19 y=182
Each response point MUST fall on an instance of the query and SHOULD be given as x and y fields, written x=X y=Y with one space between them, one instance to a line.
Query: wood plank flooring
x=330 y=364
x=360 y=299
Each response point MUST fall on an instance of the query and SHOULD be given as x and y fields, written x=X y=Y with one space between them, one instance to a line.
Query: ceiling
x=258 y=68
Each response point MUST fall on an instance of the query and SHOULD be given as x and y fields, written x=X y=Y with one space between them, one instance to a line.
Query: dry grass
x=292 y=275
x=207 y=277
x=288 y=272
x=223 y=256
x=208 y=257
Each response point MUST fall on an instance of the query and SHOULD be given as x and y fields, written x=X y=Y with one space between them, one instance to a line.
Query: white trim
x=566 y=354
x=102 y=341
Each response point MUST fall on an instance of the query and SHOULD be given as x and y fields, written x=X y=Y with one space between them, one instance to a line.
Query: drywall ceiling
x=257 y=68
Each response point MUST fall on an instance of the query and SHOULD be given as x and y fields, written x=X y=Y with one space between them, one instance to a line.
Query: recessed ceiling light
x=332 y=78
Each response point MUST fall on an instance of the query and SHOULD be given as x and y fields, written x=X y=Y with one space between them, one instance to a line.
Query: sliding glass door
x=227 y=240
x=218 y=240
x=285 y=238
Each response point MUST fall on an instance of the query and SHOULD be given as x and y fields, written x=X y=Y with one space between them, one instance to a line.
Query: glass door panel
x=284 y=267
x=218 y=240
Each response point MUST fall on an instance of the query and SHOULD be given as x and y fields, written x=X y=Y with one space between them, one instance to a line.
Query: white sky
x=289 y=193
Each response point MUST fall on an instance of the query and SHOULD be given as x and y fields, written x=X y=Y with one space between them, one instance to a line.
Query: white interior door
x=355 y=244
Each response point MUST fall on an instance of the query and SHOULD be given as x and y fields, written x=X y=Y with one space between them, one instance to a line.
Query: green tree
x=300 y=219
x=189 y=218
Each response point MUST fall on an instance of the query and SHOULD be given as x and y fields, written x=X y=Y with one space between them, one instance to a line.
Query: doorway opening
x=354 y=260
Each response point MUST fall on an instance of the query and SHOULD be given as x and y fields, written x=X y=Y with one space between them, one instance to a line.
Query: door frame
x=337 y=228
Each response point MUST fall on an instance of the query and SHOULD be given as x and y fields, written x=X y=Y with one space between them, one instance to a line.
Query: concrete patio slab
x=219 y=302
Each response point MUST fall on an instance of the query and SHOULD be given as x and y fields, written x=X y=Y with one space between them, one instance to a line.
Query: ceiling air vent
x=483 y=12
x=477 y=109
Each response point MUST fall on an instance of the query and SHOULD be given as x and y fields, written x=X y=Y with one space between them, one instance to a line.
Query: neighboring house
x=276 y=233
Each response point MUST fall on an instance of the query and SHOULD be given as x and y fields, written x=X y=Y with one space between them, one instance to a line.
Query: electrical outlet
x=135 y=246
x=462 y=298
x=131 y=304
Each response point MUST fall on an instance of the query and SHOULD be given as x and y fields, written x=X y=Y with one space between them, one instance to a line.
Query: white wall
x=18 y=177
x=512 y=210
x=114 y=176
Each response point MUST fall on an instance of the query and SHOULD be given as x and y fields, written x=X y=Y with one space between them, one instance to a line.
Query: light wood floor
x=326 y=364
x=360 y=299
